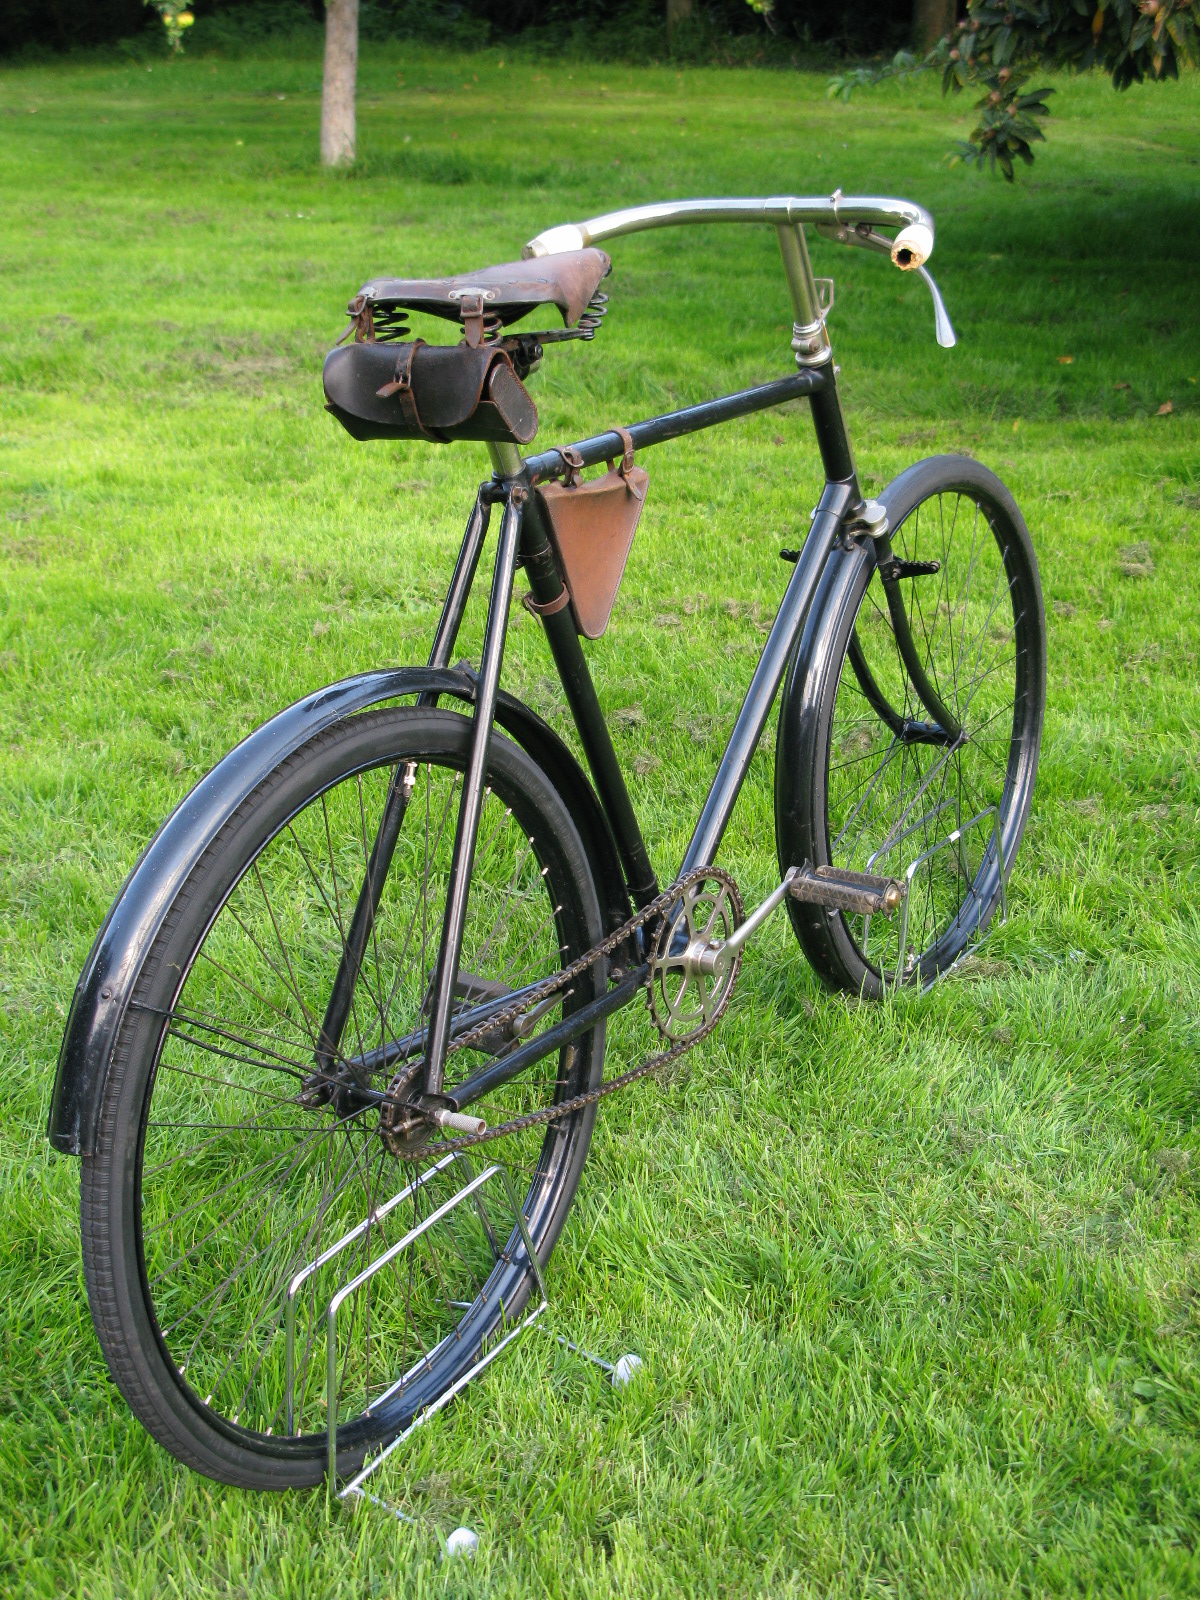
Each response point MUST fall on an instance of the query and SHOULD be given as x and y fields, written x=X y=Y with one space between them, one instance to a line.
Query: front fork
x=945 y=729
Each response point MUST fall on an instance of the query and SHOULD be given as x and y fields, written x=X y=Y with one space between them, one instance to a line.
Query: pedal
x=862 y=893
x=895 y=569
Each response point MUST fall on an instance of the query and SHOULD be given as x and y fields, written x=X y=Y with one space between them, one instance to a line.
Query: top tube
x=836 y=209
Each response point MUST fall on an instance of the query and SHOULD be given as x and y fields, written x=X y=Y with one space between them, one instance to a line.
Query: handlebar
x=846 y=219
x=835 y=210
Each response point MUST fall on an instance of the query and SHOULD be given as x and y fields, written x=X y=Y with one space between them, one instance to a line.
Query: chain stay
x=562 y=980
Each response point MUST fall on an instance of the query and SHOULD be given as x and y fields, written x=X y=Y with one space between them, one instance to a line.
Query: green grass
x=918 y=1288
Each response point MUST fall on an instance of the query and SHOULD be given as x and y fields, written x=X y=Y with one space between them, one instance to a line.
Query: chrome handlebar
x=845 y=219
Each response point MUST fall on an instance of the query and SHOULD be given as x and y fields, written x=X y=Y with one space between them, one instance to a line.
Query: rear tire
x=214 y=1179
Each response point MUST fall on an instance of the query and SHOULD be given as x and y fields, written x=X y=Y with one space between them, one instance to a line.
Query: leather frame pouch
x=591 y=528
x=415 y=390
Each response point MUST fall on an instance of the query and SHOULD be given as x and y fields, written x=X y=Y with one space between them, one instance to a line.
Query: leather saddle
x=509 y=292
x=384 y=386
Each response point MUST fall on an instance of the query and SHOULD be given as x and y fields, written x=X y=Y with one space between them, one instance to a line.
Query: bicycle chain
x=562 y=980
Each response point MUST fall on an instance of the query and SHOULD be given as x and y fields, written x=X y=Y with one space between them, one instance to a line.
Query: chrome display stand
x=463 y=1540
x=955 y=840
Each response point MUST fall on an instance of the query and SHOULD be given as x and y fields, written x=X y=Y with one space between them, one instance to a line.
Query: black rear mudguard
x=137 y=914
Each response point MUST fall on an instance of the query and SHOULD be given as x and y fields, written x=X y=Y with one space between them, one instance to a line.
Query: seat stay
x=341 y=995
x=445 y=975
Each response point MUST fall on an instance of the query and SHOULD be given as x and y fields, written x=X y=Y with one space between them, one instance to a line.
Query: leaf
x=1165 y=409
x=1145 y=1389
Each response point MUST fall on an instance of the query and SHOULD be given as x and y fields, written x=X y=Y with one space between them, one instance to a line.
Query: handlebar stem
x=810 y=339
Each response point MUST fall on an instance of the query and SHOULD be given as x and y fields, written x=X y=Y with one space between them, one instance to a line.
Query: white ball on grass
x=462 y=1542
x=625 y=1370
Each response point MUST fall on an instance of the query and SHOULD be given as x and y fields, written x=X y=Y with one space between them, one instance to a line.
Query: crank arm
x=515 y=1061
x=714 y=960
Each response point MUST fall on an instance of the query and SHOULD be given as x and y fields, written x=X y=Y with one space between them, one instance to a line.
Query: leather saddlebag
x=591 y=527
x=415 y=390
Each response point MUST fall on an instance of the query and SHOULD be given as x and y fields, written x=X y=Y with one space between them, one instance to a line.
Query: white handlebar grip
x=567 y=236
x=912 y=246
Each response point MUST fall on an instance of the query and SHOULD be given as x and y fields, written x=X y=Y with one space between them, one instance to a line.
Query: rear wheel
x=220 y=1173
x=875 y=783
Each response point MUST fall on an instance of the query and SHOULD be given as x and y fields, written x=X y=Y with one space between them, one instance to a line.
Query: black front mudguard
x=799 y=709
x=123 y=943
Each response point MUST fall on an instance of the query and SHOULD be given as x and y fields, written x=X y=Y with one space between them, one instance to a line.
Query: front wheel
x=225 y=1168
x=868 y=778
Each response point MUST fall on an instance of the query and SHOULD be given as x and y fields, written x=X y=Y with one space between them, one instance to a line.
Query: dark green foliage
x=720 y=30
x=997 y=39
x=68 y=24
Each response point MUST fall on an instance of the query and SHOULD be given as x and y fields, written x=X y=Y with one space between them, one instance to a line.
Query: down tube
x=836 y=500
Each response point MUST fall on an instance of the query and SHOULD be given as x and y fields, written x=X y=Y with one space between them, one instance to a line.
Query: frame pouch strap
x=573 y=462
x=550 y=607
x=634 y=482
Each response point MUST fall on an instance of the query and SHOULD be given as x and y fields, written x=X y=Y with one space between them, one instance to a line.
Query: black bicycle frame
x=524 y=541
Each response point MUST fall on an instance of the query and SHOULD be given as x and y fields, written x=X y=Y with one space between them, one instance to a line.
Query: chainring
x=683 y=999
x=663 y=906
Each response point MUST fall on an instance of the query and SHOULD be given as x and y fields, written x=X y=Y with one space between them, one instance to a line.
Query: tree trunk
x=338 y=88
x=677 y=11
x=931 y=19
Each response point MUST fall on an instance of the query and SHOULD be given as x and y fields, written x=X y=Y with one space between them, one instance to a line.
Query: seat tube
x=445 y=974
x=546 y=584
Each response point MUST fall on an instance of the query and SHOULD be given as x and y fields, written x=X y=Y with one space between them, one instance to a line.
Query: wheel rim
x=896 y=793
x=241 y=1183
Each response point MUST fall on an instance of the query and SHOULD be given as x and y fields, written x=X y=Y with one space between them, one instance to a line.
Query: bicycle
x=394 y=922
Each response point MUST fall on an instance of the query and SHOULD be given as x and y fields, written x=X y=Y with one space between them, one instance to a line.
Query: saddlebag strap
x=401 y=386
x=626 y=466
x=573 y=461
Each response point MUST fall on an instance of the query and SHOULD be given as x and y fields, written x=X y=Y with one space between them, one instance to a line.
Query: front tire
x=862 y=782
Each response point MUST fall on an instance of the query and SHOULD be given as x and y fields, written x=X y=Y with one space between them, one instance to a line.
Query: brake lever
x=868 y=239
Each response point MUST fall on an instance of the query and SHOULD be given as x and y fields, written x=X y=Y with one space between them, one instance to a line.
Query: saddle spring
x=373 y=321
x=390 y=324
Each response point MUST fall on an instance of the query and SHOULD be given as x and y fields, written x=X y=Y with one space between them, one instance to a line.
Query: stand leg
x=463 y=1540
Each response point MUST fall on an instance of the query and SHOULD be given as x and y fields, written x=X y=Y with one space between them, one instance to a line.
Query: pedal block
x=892 y=571
x=862 y=893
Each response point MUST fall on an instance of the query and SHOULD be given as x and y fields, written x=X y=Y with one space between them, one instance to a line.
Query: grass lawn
x=918 y=1288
